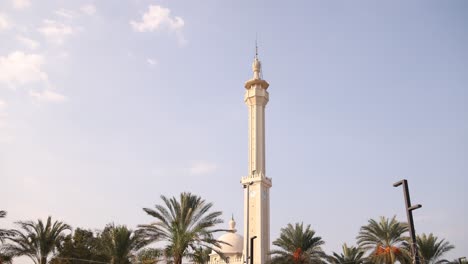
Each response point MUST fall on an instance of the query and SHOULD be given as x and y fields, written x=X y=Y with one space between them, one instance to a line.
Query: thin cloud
x=21 y=4
x=88 y=9
x=151 y=62
x=55 y=31
x=202 y=167
x=19 y=68
x=159 y=18
x=27 y=42
x=65 y=13
x=48 y=96
x=4 y=22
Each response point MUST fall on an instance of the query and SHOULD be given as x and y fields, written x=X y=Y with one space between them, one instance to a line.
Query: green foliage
x=185 y=225
x=4 y=233
x=298 y=245
x=149 y=256
x=5 y=257
x=119 y=244
x=431 y=249
x=200 y=255
x=350 y=255
x=384 y=239
x=37 y=240
x=83 y=245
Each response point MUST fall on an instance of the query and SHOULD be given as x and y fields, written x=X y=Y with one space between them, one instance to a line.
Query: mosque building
x=256 y=185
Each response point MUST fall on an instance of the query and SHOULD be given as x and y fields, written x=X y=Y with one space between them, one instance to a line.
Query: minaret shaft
x=257 y=200
x=256 y=134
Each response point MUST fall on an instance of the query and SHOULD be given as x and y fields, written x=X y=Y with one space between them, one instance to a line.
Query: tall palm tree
x=385 y=239
x=431 y=249
x=185 y=225
x=37 y=240
x=297 y=245
x=350 y=255
x=119 y=244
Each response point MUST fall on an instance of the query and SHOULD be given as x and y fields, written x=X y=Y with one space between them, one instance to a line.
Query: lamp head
x=396 y=184
x=414 y=207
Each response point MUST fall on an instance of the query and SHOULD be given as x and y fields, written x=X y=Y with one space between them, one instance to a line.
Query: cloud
x=202 y=167
x=4 y=23
x=159 y=18
x=30 y=43
x=48 y=96
x=88 y=9
x=151 y=62
x=63 y=55
x=55 y=31
x=64 y=13
x=18 y=68
x=21 y=4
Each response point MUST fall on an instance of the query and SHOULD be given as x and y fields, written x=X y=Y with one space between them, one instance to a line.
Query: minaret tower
x=257 y=185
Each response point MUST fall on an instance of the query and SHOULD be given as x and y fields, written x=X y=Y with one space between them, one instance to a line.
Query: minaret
x=257 y=200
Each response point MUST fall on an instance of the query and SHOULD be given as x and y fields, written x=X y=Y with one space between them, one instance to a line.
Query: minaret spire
x=256 y=47
x=256 y=65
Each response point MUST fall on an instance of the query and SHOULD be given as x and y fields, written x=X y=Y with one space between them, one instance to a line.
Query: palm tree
x=37 y=240
x=4 y=233
x=431 y=250
x=185 y=225
x=297 y=245
x=385 y=240
x=350 y=255
x=119 y=244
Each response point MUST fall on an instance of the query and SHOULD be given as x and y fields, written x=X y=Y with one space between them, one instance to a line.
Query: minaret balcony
x=257 y=177
x=264 y=84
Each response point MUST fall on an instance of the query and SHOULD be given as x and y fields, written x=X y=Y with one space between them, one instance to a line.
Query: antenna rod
x=256 y=46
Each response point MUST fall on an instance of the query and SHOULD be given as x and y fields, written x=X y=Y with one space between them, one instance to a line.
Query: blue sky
x=106 y=105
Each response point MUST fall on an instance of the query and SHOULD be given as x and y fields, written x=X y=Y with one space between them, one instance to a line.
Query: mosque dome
x=234 y=240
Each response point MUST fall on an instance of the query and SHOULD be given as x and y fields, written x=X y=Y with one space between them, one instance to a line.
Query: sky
x=107 y=105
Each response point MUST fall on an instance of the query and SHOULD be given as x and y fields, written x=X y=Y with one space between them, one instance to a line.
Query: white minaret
x=257 y=200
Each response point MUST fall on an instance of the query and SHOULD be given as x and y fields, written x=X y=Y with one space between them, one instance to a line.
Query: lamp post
x=252 y=249
x=247 y=186
x=409 y=214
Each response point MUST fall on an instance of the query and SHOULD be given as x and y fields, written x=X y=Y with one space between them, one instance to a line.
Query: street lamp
x=252 y=249
x=247 y=186
x=409 y=214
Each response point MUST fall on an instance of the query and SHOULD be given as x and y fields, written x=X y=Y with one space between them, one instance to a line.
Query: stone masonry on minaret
x=257 y=200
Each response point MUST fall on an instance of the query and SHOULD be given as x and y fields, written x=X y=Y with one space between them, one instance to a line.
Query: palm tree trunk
x=177 y=259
